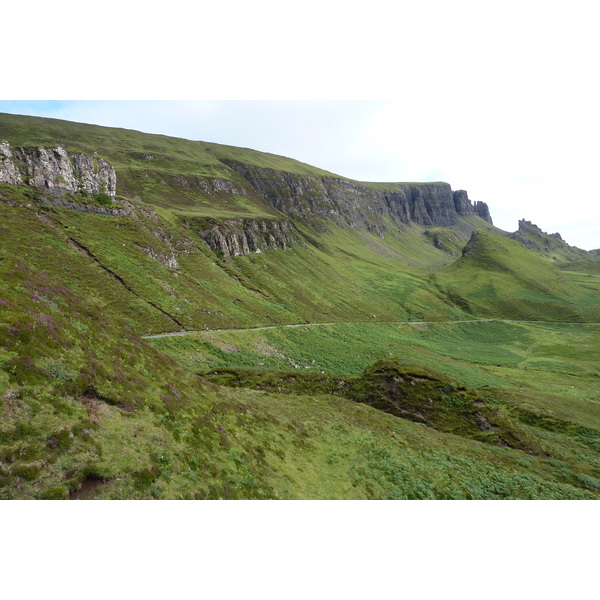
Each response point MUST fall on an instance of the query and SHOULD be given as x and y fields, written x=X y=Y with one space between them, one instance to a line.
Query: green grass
x=118 y=261
x=153 y=167
x=498 y=277
x=477 y=353
x=557 y=410
x=89 y=407
x=78 y=419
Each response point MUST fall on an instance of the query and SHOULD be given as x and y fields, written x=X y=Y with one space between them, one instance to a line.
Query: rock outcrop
x=465 y=208
x=321 y=200
x=240 y=237
x=8 y=170
x=482 y=210
x=531 y=236
x=56 y=169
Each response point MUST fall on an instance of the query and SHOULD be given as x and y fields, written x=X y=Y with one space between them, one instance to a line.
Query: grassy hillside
x=499 y=277
x=90 y=410
x=158 y=169
x=388 y=385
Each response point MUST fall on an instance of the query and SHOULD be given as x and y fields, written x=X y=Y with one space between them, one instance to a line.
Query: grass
x=477 y=353
x=498 y=277
x=71 y=417
x=513 y=364
x=165 y=171
x=88 y=407
x=78 y=419
x=118 y=261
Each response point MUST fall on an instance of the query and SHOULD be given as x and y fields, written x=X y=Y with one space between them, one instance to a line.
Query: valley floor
x=416 y=323
x=542 y=376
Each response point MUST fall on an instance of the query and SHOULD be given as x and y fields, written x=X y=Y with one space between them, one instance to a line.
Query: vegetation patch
x=408 y=392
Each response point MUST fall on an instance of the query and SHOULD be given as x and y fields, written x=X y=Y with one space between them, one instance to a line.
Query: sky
x=499 y=99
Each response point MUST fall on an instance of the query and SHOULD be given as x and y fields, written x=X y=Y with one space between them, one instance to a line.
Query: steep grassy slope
x=116 y=142
x=160 y=276
x=88 y=408
x=498 y=277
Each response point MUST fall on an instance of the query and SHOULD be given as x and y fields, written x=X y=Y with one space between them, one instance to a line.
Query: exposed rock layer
x=346 y=202
x=54 y=168
x=318 y=200
x=240 y=237
x=465 y=208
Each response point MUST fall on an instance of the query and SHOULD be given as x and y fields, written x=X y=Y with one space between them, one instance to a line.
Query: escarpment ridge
x=323 y=199
x=184 y=320
x=195 y=176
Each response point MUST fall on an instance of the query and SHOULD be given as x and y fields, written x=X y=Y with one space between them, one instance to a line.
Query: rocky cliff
x=240 y=237
x=465 y=208
x=531 y=236
x=320 y=199
x=56 y=169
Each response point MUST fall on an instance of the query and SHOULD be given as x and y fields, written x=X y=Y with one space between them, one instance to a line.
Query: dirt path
x=179 y=333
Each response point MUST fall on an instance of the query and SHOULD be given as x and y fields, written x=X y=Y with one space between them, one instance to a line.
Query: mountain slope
x=107 y=235
x=219 y=181
x=499 y=277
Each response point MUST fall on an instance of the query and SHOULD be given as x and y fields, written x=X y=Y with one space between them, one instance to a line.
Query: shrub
x=103 y=198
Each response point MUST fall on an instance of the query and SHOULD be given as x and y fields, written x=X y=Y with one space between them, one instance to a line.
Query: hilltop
x=389 y=302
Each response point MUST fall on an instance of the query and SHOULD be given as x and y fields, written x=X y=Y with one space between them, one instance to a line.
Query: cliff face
x=54 y=168
x=319 y=200
x=350 y=203
x=465 y=208
x=240 y=237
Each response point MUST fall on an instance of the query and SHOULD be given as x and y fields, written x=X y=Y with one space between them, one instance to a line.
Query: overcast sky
x=498 y=99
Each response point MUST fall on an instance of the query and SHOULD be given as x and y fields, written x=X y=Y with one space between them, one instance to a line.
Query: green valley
x=184 y=320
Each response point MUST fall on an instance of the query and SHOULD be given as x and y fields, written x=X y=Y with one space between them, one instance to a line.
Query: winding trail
x=180 y=333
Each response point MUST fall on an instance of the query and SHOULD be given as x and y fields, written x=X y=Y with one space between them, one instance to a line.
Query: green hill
x=333 y=337
x=498 y=277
